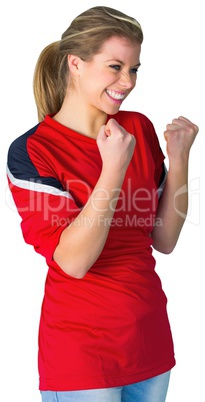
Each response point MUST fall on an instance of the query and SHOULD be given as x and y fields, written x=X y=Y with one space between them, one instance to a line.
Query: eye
x=116 y=67
x=134 y=70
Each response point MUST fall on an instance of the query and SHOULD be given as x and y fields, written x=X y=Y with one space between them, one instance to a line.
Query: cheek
x=95 y=81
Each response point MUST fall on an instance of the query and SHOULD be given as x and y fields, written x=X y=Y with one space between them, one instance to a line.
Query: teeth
x=115 y=95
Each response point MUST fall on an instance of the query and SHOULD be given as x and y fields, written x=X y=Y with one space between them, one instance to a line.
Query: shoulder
x=143 y=129
x=133 y=119
x=39 y=132
x=18 y=158
x=20 y=142
x=137 y=124
x=32 y=141
x=136 y=116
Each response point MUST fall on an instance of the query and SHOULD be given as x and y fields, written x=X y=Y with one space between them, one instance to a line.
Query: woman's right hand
x=116 y=146
x=81 y=244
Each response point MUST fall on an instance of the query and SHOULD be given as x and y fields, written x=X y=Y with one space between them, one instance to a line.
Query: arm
x=173 y=204
x=83 y=240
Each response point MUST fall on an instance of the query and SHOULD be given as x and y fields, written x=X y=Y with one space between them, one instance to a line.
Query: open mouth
x=115 y=95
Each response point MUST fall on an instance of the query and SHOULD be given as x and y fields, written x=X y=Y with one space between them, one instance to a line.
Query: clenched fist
x=116 y=146
x=180 y=135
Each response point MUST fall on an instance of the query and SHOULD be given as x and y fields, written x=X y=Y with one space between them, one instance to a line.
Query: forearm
x=172 y=209
x=82 y=241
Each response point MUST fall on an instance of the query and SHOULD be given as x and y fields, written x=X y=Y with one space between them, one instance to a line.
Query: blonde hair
x=83 y=38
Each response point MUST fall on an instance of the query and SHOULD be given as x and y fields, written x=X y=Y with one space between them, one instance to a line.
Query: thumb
x=102 y=135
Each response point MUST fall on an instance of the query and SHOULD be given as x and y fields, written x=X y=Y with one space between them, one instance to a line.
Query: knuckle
x=196 y=128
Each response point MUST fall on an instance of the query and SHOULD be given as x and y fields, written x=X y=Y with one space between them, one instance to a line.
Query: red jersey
x=111 y=327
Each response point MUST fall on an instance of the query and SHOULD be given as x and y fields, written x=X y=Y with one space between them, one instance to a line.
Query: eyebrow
x=121 y=62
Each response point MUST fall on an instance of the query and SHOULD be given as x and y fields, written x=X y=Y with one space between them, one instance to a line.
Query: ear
x=74 y=64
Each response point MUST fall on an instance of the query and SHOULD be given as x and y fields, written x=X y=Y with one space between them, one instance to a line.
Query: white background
x=170 y=83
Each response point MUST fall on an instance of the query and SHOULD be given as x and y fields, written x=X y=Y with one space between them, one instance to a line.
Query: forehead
x=115 y=46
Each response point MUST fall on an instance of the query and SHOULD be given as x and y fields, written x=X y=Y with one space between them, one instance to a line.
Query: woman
x=90 y=184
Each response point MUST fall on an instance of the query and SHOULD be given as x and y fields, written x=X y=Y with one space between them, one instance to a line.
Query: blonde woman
x=86 y=181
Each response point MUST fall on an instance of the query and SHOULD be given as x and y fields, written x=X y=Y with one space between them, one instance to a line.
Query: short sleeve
x=45 y=208
x=157 y=154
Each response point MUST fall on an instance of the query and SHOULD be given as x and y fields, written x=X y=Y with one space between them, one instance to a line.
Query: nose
x=126 y=80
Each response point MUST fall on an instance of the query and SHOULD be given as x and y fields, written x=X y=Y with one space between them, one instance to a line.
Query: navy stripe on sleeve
x=20 y=166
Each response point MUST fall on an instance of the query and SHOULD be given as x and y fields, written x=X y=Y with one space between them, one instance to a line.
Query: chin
x=112 y=111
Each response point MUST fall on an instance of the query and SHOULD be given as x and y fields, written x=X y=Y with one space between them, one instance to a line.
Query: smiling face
x=105 y=81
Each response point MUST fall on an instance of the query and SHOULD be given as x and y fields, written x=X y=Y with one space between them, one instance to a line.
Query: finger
x=184 y=122
x=110 y=126
x=113 y=127
x=172 y=127
x=102 y=134
x=182 y=118
x=190 y=123
x=171 y=133
x=166 y=135
x=107 y=132
x=181 y=122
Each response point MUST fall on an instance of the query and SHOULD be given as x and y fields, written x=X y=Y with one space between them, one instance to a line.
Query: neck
x=76 y=116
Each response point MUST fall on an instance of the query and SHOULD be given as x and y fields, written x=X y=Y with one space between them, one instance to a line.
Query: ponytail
x=47 y=83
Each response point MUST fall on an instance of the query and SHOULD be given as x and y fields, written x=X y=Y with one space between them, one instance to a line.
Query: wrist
x=113 y=175
x=179 y=163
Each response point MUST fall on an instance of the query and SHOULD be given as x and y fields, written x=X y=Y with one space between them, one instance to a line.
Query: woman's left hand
x=180 y=135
